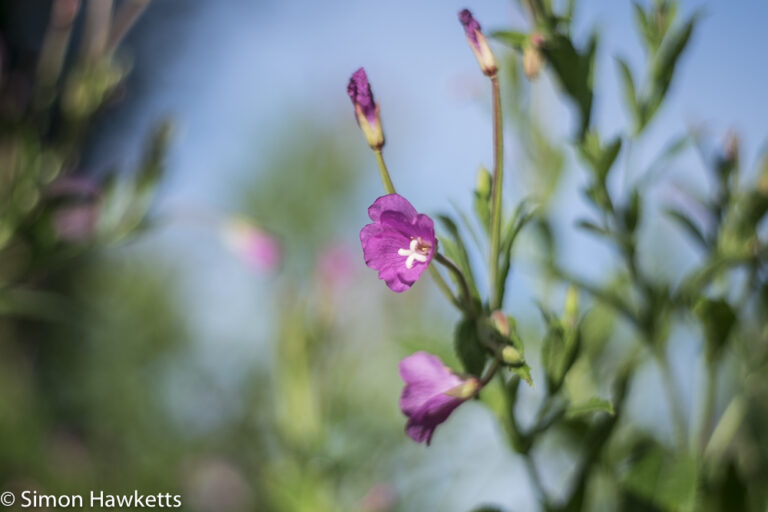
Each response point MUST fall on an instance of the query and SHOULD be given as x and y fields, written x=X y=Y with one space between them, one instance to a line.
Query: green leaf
x=559 y=349
x=458 y=252
x=669 y=54
x=523 y=214
x=470 y=227
x=717 y=320
x=665 y=479
x=632 y=211
x=664 y=66
x=600 y=158
x=510 y=38
x=593 y=228
x=754 y=205
x=574 y=71
x=608 y=156
x=630 y=91
x=598 y=196
x=645 y=28
x=690 y=227
x=594 y=404
x=468 y=348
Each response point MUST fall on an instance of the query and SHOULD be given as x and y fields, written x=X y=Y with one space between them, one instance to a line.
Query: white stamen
x=414 y=253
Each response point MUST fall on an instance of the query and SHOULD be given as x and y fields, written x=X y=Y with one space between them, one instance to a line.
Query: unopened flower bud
x=366 y=109
x=511 y=356
x=532 y=61
x=483 y=183
x=500 y=322
x=571 y=305
x=478 y=43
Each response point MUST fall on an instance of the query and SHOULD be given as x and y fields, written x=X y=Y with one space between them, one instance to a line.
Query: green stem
x=491 y=372
x=388 y=186
x=675 y=404
x=498 y=180
x=443 y=286
x=450 y=265
x=509 y=391
x=709 y=405
x=536 y=479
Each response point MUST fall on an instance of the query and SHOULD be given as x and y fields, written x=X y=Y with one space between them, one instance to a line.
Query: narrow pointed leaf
x=689 y=225
x=594 y=404
x=511 y=38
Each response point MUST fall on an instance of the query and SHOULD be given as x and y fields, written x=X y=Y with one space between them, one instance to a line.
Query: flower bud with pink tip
x=478 y=43
x=366 y=108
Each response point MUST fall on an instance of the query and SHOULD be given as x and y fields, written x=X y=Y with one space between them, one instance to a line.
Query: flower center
x=417 y=251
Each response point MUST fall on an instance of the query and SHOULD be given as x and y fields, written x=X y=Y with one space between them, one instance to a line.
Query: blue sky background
x=229 y=71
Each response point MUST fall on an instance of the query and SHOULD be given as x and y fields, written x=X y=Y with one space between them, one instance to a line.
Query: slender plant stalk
x=491 y=372
x=98 y=23
x=388 y=186
x=125 y=17
x=533 y=472
x=675 y=403
x=55 y=42
x=498 y=179
x=450 y=265
x=709 y=405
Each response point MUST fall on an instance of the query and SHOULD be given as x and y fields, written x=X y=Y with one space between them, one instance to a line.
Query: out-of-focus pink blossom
x=335 y=266
x=260 y=250
x=380 y=498
x=75 y=223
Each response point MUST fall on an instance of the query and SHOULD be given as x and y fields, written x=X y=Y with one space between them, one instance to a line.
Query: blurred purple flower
x=399 y=243
x=335 y=267
x=75 y=223
x=432 y=391
x=478 y=43
x=258 y=249
x=366 y=109
x=76 y=219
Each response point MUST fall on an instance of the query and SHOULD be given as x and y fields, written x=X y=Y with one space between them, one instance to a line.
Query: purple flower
x=478 y=43
x=258 y=249
x=76 y=223
x=471 y=27
x=432 y=391
x=399 y=243
x=366 y=109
